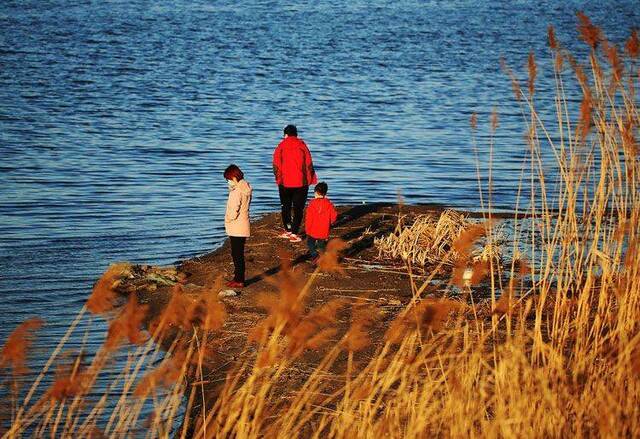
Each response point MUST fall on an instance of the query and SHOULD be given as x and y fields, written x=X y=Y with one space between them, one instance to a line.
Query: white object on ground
x=227 y=293
x=467 y=275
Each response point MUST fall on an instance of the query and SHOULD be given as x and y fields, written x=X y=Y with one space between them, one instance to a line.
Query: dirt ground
x=358 y=226
x=365 y=276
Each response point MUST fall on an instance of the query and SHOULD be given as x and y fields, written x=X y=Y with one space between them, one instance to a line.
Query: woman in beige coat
x=236 y=220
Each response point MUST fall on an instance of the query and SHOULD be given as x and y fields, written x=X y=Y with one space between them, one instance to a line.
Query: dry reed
x=429 y=241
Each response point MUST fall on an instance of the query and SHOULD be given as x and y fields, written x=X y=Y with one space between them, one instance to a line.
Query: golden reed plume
x=494 y=119
x=72 y=379
x=208 y=313
x=473 y=121
x=551 y=37
x=588 y=32
x=426 y=316
x=175 y=314
x=615 y=62
x=363 y=317
x=14 y=352
x=165 y=375
x=505 y=304
x=533 y=71
x=128 y=325
x=632 y=46
x=283 y=309
x=586 y=110
x=314 y=329
x=480 y=270
x=629 y=142
x=462 y=245
x=330 y=260
x=103 y=295
x=515 y=85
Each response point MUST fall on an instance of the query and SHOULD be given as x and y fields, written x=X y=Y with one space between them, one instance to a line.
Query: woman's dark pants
x=295 y=197
x=237 y=252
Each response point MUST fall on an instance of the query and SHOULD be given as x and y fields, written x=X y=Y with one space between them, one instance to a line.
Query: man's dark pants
x=295 y=197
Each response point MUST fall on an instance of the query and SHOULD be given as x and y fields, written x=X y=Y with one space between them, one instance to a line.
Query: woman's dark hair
x=233 y=172
x=291 y=130
x=321 y=188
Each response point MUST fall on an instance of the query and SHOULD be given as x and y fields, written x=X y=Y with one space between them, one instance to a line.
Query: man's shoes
x=285 y=235
x=235 y=284
x=294 y=238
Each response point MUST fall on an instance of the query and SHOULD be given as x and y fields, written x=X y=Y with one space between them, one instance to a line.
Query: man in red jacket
x=321 y=215
x=293 y=169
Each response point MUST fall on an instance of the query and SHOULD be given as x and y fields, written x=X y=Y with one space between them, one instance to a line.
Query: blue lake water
x=117 y=119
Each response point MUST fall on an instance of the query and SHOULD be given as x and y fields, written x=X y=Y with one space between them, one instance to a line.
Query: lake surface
x=117 y=119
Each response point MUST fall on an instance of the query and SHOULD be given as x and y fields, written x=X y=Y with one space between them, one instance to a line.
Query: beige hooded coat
x=236 y=220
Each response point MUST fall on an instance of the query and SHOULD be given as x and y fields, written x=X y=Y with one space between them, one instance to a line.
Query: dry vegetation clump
x=122 y=279
x=556 y=356
x=426 y=241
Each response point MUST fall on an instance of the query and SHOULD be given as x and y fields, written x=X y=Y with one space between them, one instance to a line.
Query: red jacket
x=319 y=217
x=292 y=164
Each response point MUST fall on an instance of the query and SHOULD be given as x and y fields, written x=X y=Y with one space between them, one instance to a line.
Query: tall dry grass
x=556 y=355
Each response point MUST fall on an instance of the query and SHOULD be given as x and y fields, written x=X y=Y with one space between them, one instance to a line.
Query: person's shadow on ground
x=374 y=229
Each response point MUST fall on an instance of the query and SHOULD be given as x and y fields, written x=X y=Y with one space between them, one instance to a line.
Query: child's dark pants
x=314 y=245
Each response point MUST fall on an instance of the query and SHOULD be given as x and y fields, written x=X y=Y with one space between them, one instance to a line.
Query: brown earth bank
x=362 y=277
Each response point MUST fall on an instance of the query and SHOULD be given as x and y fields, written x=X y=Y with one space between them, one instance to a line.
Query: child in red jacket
x=319 y=218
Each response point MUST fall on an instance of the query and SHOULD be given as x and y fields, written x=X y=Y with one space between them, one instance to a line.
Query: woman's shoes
x=235 y=284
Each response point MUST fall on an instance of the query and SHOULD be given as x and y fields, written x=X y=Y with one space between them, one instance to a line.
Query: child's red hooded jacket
x=292 y=164
x=320 y=216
